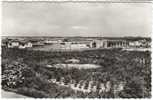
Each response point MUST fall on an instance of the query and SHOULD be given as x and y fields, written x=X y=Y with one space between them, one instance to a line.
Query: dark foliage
x=116 y=65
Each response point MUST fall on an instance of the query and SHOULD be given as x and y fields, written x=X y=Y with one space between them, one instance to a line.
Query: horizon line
x=83 y=36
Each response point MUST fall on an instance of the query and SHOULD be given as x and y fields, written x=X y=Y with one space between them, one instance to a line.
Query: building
x=78 y=46
x=52 y=41
x=107 y=43
x=117 y=44
x=73 y=45
x=19 y=44
x=37 y=44
x=23 y=45
x=13 y=44
x=140 y=43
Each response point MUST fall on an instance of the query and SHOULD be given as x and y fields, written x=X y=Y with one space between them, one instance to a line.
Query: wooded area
x=28 y=74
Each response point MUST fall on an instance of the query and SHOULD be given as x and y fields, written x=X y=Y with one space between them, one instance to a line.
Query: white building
x=73 y=46
x=23 y=45
x=135 y=43
x=13 y=44
x=53 y=41
x=28 y=45
x=78 y=46
x=106 y=43
x=19 y=44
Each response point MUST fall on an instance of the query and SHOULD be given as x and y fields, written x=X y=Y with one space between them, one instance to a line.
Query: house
x=19 y=44
x=24 y=44
x=13 y=44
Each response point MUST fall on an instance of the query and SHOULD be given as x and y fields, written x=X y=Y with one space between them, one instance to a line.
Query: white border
x=98 y=1
x=81 y=1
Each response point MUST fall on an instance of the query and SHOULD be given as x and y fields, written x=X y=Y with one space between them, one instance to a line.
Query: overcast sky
x=76 y=19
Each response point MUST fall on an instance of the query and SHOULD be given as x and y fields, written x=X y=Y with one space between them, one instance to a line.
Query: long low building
x=120 y=43
x=109 y=44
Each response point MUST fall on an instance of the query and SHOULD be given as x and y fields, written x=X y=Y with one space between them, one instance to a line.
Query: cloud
x=71 y=19
x=79 y=27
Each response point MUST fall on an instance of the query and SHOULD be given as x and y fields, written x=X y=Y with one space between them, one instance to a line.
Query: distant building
x=37 y=44
x=23 y=45
x=109 y=44
x=135 y=44
x=73 y=45
x=117 y=44
x=13 y=44
x=52 y=41
x=78 y=46
x=140 y=43
x=19 y=44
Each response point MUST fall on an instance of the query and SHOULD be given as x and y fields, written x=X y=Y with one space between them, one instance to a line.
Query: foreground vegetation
x=29 y=75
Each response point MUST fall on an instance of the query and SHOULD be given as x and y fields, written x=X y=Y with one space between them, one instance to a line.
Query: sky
x=76 y=19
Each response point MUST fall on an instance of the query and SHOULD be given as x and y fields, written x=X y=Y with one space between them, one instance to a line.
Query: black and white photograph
x=74 y=49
